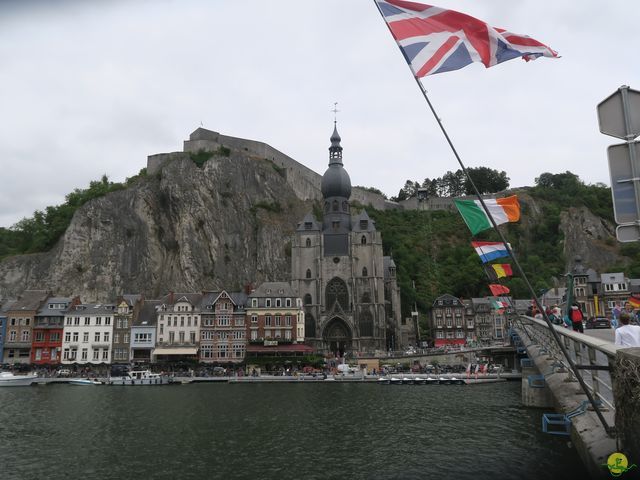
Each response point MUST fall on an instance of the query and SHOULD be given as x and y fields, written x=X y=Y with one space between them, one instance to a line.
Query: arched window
x=364 y=272
x=345 y=206
x=309 y=326
x=308 y=273
x=337 y=292
x=363 y=240
x=326 y=207
x=335 y=205
x=307 y=299
x=308 y=242
x=366 y=324
x=366 y=297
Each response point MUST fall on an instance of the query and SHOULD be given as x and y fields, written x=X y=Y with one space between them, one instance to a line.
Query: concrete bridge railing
x=610 y=372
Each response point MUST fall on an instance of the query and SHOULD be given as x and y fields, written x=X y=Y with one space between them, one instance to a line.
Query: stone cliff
x=223 y=225
x=184 y=228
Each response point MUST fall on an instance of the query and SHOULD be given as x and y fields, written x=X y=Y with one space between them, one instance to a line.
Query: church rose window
x=337 y=292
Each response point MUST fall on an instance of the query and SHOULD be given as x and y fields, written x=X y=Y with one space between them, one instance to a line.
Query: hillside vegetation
x=432 y=250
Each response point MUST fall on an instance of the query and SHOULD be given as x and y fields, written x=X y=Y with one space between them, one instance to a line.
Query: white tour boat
x=8 y=379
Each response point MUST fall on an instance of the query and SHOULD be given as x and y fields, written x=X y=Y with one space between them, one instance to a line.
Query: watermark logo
x=618 y=464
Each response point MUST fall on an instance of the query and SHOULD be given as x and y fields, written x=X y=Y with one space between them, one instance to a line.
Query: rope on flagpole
x=608 y=429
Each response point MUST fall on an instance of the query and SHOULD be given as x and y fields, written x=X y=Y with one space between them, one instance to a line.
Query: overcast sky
x=93 y=87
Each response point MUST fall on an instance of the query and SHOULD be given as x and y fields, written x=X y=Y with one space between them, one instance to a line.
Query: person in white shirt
x=627 y=335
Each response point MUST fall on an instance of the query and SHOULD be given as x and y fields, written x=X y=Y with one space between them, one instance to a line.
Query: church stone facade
x=349 y=290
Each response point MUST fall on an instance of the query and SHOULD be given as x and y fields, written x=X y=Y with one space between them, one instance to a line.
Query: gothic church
x=349 y=290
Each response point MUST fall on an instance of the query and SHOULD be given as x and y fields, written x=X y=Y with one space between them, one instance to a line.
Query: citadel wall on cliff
x=304 y=181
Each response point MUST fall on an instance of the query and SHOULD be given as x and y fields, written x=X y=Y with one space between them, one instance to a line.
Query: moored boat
x=8 y=379
x=445 y=381
x=407 y=381
x=396 y=381
x=419 y=381
x=432 y=381
x=140 y=377
x=383 y=381
x=84 y=381
x=457 y=381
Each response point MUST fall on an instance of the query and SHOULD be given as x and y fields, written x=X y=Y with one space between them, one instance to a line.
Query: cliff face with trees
x=223 y=219
x=223 y=224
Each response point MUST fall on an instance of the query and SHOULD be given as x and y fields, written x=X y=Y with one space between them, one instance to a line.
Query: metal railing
x=593 y=357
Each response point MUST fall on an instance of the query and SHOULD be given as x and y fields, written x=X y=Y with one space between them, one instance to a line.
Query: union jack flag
x=435 y=40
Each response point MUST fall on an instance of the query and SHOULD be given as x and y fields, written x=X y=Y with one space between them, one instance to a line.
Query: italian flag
x=502 y=210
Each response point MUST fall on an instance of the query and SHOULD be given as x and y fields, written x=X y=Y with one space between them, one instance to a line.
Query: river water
x=278 y=431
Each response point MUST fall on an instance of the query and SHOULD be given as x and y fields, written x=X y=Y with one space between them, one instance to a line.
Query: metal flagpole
x=555 y=335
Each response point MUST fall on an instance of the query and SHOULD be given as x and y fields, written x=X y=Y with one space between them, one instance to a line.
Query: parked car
x=598 y=322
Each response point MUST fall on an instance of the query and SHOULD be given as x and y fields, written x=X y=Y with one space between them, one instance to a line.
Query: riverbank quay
x=557 y=389
x=482 y=379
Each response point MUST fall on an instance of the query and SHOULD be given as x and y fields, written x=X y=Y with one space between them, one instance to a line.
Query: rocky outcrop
x=591 y=238
x=185 y=229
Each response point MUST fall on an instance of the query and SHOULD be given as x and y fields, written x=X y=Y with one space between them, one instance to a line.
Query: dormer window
x=308 y=225
x=364 y=224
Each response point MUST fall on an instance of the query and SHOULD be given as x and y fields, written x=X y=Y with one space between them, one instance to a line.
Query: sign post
x=619 y=116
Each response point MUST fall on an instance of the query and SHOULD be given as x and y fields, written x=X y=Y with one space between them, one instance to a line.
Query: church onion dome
x=336 y=181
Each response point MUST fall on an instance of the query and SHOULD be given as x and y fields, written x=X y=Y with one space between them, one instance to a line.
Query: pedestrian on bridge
x=627 y=335
x=576 y=316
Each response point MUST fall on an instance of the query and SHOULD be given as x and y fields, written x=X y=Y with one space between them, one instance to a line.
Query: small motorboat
x=432 y=381
x=84 y=381
x=140 y=377
x=419 y=381
x=407 y=381
x=456 y=381
x=8 y=379
x=383 y=381
x=396 y=381
x=445 y=381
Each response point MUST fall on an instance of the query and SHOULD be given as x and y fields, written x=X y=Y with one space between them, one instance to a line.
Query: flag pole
x=609 y=430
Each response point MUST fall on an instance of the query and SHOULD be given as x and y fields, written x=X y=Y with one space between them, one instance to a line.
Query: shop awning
x=175 y=351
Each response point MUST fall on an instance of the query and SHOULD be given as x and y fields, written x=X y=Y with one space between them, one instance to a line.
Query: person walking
x=576 y=316
x=627 y=335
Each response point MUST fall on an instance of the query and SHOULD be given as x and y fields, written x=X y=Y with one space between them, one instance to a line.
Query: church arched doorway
x=337 y=337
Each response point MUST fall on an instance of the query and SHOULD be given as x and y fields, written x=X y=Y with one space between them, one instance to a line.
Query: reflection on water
x=289 y=431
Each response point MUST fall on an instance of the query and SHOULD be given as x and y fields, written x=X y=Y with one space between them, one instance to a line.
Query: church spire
x=335 y=150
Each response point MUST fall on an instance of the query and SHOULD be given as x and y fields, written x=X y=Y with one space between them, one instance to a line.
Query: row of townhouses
x=474 y=321
x=208 y=327
x=456 y=321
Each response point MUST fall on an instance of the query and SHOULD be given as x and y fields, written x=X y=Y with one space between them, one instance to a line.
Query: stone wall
x=626 y=389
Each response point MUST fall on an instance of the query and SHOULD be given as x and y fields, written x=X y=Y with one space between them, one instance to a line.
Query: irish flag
x=502 y=210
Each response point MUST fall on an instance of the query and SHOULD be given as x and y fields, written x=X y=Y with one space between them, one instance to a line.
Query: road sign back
x=611 y=114
x=625 y=207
